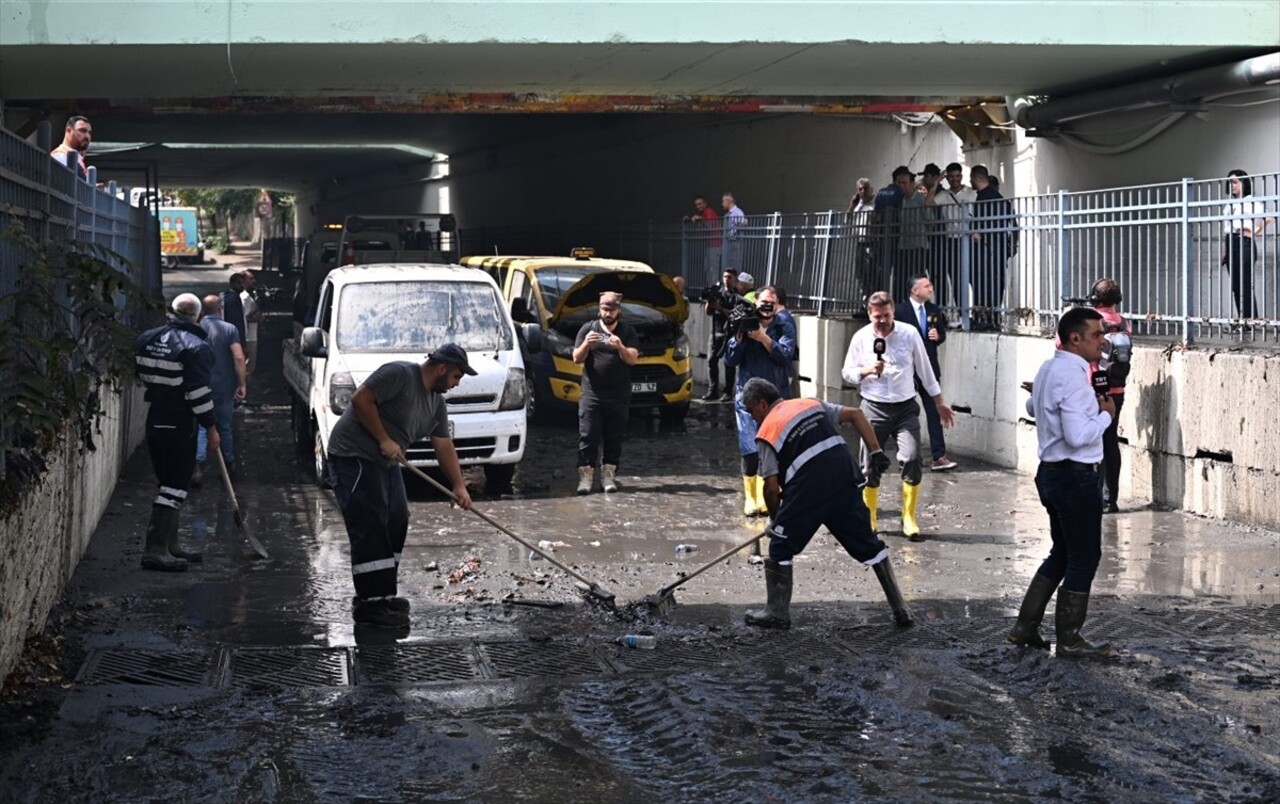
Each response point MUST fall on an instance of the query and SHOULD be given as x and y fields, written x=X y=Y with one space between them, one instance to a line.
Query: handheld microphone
x=878 y=346
x=1101 y=382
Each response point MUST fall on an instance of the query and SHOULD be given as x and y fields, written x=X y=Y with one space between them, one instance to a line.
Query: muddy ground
x=245 y=680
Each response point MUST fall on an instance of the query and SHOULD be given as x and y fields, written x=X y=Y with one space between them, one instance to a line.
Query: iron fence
x=59 y=209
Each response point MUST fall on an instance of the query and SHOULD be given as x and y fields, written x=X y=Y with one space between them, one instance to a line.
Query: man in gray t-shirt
x=397 y=405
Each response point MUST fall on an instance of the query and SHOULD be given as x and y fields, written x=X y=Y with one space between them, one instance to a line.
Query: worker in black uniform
x=810 y=479
x=174 y=362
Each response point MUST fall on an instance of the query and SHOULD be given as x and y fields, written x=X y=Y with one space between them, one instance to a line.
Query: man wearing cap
x=396 y=406
x=608 y=348
x=747 y=286
x=174 y=362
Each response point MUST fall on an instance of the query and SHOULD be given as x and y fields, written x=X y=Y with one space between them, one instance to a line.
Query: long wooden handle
x=226 y=479
x=668 y=589
x=440 y=487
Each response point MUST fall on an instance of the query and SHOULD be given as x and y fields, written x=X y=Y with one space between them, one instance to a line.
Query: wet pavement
x=244 y=680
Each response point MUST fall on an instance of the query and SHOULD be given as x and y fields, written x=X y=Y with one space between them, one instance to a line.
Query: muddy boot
x=607 y=482
x=884 y=574
x=1069 y=618
x=586 y=479
x=155 y=554
x=910 y=527
x=777 y=585
x=1026 y=631
x=379 y=613
x=871 y=497
x=175 y=549
x=394 y=603
x=712 y=394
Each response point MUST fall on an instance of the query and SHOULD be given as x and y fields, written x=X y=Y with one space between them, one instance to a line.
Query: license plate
x=644 y=388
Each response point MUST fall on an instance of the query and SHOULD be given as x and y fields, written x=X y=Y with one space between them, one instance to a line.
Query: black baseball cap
x=931 y=170
x=454 y=355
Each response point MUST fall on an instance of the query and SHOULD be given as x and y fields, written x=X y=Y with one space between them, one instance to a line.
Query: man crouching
x=810 y=479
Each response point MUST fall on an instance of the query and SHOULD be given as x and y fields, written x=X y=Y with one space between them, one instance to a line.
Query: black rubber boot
x=155 y=554
x=777 y=585
x=1026 y=631
x=394 y=603
x=1069 y=617
x=884 y=574
x=171 y=542
x=379 y=613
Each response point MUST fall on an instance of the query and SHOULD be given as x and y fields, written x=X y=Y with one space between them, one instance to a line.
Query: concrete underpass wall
x=648 y=168
x=1199 y=425
x=43 y=540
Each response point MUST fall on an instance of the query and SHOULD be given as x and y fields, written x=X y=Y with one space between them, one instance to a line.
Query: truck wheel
x=674 y=413
x=169 y=262
x=498 y=477
x=535 y=402
x=321 y=463
x=300 y=420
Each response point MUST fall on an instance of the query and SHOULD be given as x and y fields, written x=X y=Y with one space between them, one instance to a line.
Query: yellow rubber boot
x=762 y=508
x=910 y=527
x=871 y=496
x=749 y=484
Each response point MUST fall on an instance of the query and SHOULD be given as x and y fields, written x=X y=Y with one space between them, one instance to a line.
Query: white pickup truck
x=369 y=315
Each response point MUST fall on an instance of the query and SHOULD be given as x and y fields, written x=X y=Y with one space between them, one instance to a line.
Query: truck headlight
x=341 y=387
x=513 y=391
x=681 y=350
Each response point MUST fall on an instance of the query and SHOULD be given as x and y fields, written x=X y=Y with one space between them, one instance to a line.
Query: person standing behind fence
x=951 y=201
x=992 y=219
x=252 y=317
x=735 y=221
x=232 y=306
x=1245 y=221
x=228 y=381
x=887 y=225
x=861 y=207
x=77 y=137
x=706 y=230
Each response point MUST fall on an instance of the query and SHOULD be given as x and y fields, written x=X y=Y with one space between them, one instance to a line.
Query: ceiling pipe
x=1207 y=83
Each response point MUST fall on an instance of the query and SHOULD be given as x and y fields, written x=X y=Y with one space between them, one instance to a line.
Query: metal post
x=773 y=236
x=824 y=259
x=1064 y=252
x=1184 y=262
x=966 y=251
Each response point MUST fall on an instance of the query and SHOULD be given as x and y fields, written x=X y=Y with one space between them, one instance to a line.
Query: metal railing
x=57 y=208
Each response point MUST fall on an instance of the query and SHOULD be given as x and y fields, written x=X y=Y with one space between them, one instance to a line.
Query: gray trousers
x=899 y=422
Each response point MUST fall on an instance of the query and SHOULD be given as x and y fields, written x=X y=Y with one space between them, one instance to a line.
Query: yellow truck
x=560 y=294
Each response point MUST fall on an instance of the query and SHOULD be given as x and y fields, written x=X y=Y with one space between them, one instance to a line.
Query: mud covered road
x=245 y=681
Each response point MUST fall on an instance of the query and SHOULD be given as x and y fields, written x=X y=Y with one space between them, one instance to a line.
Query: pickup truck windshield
x=419 y=316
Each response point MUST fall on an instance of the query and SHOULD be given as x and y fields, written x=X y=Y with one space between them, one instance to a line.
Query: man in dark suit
x=920 y=311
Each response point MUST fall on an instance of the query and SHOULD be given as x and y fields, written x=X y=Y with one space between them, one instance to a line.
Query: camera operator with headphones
x=761 y=344
x=1104 y=297
x=718 y=301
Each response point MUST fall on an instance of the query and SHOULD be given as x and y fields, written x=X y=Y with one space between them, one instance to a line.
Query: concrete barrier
x=42 y=541
x=1199 y=428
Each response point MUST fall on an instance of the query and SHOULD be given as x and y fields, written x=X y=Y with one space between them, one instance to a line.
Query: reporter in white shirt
x=1070 y=420
x=888 y=389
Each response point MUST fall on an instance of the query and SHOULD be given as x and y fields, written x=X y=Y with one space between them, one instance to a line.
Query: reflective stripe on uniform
x=203 y=390
x=373 y=566
x=176 y=493
x=167 y=502
x=155 y=379
x=812 y=452
x=880 y=556
x=205 y=408
x=151 y=362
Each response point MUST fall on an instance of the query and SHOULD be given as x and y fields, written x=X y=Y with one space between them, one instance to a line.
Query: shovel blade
x=247 y=532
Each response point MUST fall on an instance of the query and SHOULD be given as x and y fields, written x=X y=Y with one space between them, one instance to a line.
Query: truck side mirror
x=313 y=344
x=533 y=337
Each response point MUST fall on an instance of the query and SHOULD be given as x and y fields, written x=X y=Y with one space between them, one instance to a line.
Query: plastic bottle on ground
x=642 y=641
x=686 y=548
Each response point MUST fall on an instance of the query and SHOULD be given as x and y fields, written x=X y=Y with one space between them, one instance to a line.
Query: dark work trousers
x=986 y=275
x=946 y=279
x=899 y=422
x=717 y=342
x=1069 y=492
x=1111 y=452
x=601 y=420
x=1240 y=258
x=376 y=512
x=171 y=442
x=937 y=441
x=825 y=492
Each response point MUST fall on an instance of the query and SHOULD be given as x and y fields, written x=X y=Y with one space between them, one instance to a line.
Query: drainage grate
x=671 y=656
x=1114 y=625
x=289 y=667
x=1266 y=619
x=416 y=664
x=982 y=631
x=887 y=638
x=146 y=668
x=793 y=650
x=519 y=659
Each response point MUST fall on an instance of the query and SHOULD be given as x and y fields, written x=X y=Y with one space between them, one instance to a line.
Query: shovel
x=662 y=602
x=593 y=589
x=241 y=522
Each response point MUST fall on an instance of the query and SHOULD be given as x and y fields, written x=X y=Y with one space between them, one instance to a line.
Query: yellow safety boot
x=762 y=508
x=749 y=493
x=871 y=496
x=910 y=527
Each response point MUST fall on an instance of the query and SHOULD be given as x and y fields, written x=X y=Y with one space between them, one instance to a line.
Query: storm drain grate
x=416 y=664
x=670 y=656
x=1115 y=625
x=791 y=649
x=1196 y=623
x=980 y=631
x=519 y=659
x=289 y=667
x=146 y=668
x=1266 y=620
x=887 y=637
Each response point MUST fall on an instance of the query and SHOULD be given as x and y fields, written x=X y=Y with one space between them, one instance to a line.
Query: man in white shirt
x=252 y=315
x=950 y=201
x=884 y=360
x=735 y=221
x=1070 y=420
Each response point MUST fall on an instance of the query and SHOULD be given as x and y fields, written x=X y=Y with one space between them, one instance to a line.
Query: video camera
x=743 y=318
x=717 y=293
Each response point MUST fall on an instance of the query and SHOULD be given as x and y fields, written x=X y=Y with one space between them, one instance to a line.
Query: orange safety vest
x=799 y=431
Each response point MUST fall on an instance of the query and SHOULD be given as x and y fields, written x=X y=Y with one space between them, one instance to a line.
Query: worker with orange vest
x=811 y=479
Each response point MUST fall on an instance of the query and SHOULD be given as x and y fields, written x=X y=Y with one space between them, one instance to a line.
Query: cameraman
x=717 y=302
x=1104 y=297
x=762 y=345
